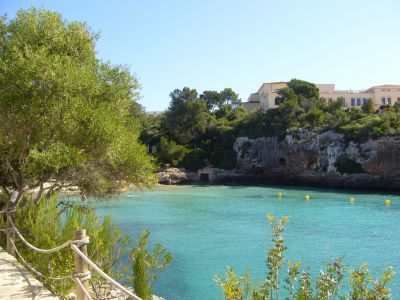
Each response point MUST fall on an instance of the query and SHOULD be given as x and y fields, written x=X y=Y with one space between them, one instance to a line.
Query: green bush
x=298 y=284
x=170 y=152
x=51 y=223
x=368 y=107
x=147 y=265
x=194 y=159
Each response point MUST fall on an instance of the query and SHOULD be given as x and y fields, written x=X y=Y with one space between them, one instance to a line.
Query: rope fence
x=33 y=270
x=81 y=276
x=56 y=249
x=104 y=275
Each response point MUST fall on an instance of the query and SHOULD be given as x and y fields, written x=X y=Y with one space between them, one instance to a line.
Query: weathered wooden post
x=10 y=212
x=81 y=267
x=10 y=232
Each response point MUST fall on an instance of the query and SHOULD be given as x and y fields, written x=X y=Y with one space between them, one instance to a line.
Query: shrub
x=50 y=223
x=194 y=159
x=146 y=265
x=368 y=107
x=170 y=152
x=328 y=284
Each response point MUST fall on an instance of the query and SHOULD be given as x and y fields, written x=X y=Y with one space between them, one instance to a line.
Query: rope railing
x=104 y=275
x=78 y=245
x=55 y=249
x=33 y=270
x=79 y=282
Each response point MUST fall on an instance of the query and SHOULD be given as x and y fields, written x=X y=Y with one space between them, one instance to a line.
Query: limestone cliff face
x=307 y=157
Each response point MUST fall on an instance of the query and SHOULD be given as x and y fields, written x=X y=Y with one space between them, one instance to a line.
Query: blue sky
x=213 y=44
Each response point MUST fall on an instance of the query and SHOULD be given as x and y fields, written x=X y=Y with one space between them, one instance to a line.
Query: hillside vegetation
x=200 y=128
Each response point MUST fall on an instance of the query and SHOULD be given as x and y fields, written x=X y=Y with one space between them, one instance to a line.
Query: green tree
x=368 y=107
x=338 y=104
x=396 y=107
x=171 y=153
x=186 y=117
x=313 y=117
x=147 y=265
x=303 y=88
x=215 y=100
x=64 y=113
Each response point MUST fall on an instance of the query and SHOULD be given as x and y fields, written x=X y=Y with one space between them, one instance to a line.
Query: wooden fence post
x=81 y=267
x=10 y=234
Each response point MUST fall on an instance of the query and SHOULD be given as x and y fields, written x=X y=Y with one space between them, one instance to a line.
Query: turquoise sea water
x=209 y=227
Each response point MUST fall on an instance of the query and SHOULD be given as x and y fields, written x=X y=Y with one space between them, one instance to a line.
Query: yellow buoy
x=280 y=194
x=307 y=197
x=387 y=202
x=352 y=200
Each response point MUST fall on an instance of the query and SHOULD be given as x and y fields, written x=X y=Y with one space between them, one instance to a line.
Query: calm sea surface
x=210 y=227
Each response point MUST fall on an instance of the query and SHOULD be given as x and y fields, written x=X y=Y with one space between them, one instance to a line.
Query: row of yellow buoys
x=280 y=195
x=351 y=200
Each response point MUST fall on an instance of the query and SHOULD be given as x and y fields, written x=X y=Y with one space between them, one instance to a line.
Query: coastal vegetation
x=66 y=121
x=50 y=223
x=70 y=120
x=298 y=284
x=201 y=129
x=195 y=128
x=64 y=113
x=147 y=265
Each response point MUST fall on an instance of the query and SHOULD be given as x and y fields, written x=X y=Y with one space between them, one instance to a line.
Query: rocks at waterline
x=175 y=176
x=208 y=175
x=326 y=159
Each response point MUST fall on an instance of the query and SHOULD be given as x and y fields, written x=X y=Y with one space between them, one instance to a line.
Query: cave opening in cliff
x=204 y=177
x=282 y=162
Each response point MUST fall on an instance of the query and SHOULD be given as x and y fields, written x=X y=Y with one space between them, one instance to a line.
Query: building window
x=387 y=90
x=353 y=101
x=276 y=100
x=358 y=101
x=398 y=99
x=383 y=100
x=330 y=100
x=364 y=100
x=389 y=101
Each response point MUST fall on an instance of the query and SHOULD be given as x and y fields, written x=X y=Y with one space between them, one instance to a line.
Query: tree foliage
x=170 y=152
x=65 y=114
x=186 y=117
x=201 y=124
x=208 y=124
x=215 y=100
x=301 y=107
x=368 y=107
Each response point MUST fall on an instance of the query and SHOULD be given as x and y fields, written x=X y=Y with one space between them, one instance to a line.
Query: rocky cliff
x=326 y=159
